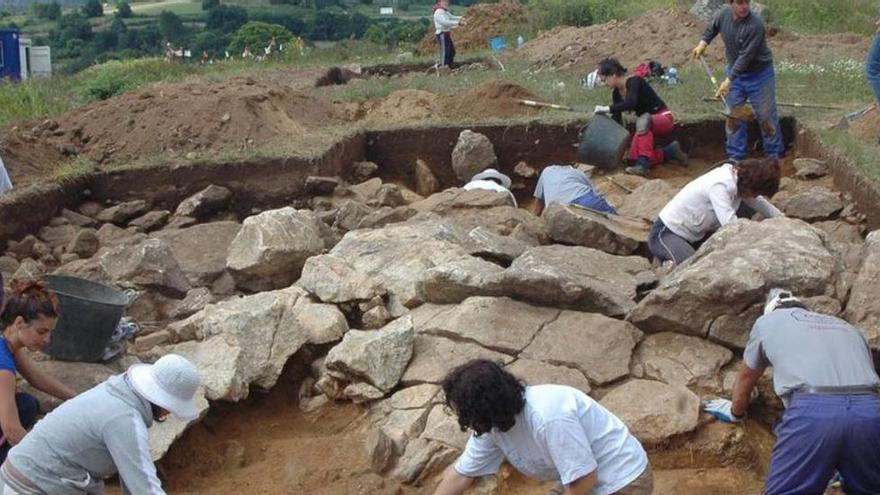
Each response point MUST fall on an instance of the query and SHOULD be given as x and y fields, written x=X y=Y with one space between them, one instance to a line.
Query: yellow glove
x=723 y=89
x=699 y=50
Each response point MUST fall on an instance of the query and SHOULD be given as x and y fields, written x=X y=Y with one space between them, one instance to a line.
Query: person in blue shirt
x=872 y=67
x=27 y=321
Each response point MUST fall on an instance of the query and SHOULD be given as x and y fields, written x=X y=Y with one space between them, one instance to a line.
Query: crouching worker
x=824 y=374
x=567 y=185
x=655 y=120
x=103 y=431
x=711 y=201
x=492 y=180
x=547 y=432
x=28 y=320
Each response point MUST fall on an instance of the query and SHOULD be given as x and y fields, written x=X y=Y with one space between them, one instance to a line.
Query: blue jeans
x=595 y=201
x=872 y=67
x=823 y=433
x=759 y=89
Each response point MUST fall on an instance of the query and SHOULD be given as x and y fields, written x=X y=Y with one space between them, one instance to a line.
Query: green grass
x=861 y=154
x=73 y=169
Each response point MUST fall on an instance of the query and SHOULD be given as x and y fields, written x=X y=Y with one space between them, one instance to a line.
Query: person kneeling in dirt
x=568 y=185
x=711 y=201
x=547 y=432
x=634 y=94
x=28 y=319
x=102 y=431
x=824 y=373
x=491 y=180
x=444 y=23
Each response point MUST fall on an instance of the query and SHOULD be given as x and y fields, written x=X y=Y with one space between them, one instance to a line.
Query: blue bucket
x=498 y=43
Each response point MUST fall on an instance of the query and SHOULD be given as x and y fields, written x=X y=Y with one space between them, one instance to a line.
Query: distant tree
x=69 y=27
x=93 y=8
x=171 y=27
x=257 y=35
x=358 y=25
x=293 y=24
x=210 y=4
x=212 y=41
x=123 y=10
x=226 y=18
x=50 y=11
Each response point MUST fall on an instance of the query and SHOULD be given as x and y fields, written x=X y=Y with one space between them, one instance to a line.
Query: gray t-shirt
x=562 y=184
x=809 y=349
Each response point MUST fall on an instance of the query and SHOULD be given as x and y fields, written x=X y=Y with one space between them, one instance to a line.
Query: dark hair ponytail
x=610 y=67
x=29 y=299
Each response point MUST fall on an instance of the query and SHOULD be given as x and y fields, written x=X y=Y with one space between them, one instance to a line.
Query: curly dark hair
x=610 y=67
x=758 y=176
x=484 y=396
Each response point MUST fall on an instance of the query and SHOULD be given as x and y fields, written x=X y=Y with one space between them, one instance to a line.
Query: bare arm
x=9 y=420
x=40 y=379
x=582 y=486
x=537 y=207
x=453 y=483
x=745 y=382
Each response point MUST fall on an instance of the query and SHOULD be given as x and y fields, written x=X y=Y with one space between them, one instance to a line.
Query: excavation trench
x=266 y=444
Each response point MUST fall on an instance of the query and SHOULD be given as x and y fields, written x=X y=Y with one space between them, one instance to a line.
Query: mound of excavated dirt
x=175 y=119
x=668 y=36
x=491 y=99
x=867 y=127
x=483 y=21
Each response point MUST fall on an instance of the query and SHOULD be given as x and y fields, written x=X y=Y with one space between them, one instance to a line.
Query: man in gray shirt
x=568 y=185
x=750 y=77
x=824 y=373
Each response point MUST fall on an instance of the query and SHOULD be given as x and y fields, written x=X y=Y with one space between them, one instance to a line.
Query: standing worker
x=634 y=94
x=824 y=374
x=750 y=77
x=567 y=185
x=872 y=69
x=444 y=23
x=103 y=431
x=547 y=432
x=709 y=202
x=28 y=320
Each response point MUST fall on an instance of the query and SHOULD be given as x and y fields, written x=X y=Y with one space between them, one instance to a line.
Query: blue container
x=10 y=58
x=498 y=43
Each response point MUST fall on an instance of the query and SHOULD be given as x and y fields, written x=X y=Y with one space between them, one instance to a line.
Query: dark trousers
x=447 y=48
x=666 y=245
x=28 y=408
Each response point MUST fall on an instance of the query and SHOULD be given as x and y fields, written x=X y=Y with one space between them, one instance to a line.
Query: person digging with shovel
x=750 y=78
x=655 y=120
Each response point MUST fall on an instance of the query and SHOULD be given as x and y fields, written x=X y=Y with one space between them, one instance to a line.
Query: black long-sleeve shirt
x=745 y=42
x=640 y=98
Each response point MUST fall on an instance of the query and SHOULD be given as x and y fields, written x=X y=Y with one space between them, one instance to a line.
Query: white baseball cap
x=170 y=383
x=491 y=173
x=778 y=297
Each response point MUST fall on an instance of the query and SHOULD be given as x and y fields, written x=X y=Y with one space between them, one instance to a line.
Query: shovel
x=726 y=112
x=541 y=104
x=851 y=117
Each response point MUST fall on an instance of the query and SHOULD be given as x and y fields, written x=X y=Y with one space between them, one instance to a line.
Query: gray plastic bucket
x=87 y=316
x=603 y=143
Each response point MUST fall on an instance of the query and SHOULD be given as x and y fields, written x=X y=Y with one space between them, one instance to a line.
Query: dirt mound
x=484 y=21
x=171 y=119
x=491 y=99
x=668 y=36
x=867 y=127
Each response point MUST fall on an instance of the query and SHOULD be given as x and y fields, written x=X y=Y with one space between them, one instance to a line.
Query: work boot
x=673 y=152
x=640 y=168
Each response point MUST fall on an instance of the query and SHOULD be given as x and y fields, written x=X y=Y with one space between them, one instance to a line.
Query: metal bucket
x=88 y=314
x=603 y=143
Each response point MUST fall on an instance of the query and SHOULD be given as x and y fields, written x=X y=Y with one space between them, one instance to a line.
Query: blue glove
x=722 y=410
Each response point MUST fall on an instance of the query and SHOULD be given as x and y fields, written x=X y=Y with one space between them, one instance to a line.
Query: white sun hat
x=170 y=383
x=491 y=173
x=778 y=297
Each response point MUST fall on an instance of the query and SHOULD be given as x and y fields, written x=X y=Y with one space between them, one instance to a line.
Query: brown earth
x=483 y=21
x=867 y=127
x=668 y=36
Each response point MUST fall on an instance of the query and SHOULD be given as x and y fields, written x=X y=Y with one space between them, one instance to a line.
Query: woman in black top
x=633 y=93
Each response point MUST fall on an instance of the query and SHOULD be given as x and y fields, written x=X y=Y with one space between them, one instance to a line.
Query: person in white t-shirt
x=709 y=202
x=491 y=180
x=547 y=432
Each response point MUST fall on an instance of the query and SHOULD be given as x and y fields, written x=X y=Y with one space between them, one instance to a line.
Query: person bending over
x=655 y=120
x=567 y=185
x=547 y=432
x=711 y=201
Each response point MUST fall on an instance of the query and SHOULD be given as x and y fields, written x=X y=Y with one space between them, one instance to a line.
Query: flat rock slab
x=498 y=323
x=434 y=357
x=614 y=234
x=654 y=411
x=863 y=309
x=815 y=204
x=201 y=249
x=677 y=359
x=647 y=200
x=598 y=346
x=538 y=373
x=377 y=357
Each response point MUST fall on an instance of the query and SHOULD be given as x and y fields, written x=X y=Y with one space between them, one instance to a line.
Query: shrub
x=256 y=35
x=210 y=4
x=50 y=11
x=551 y=13
x=93 y=8
x=123 y=10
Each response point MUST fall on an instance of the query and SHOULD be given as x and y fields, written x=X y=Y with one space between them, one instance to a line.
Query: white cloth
x=561 y=435
x=709 y=202
x=5 y=181
x=489 y=185
x=444 y=21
